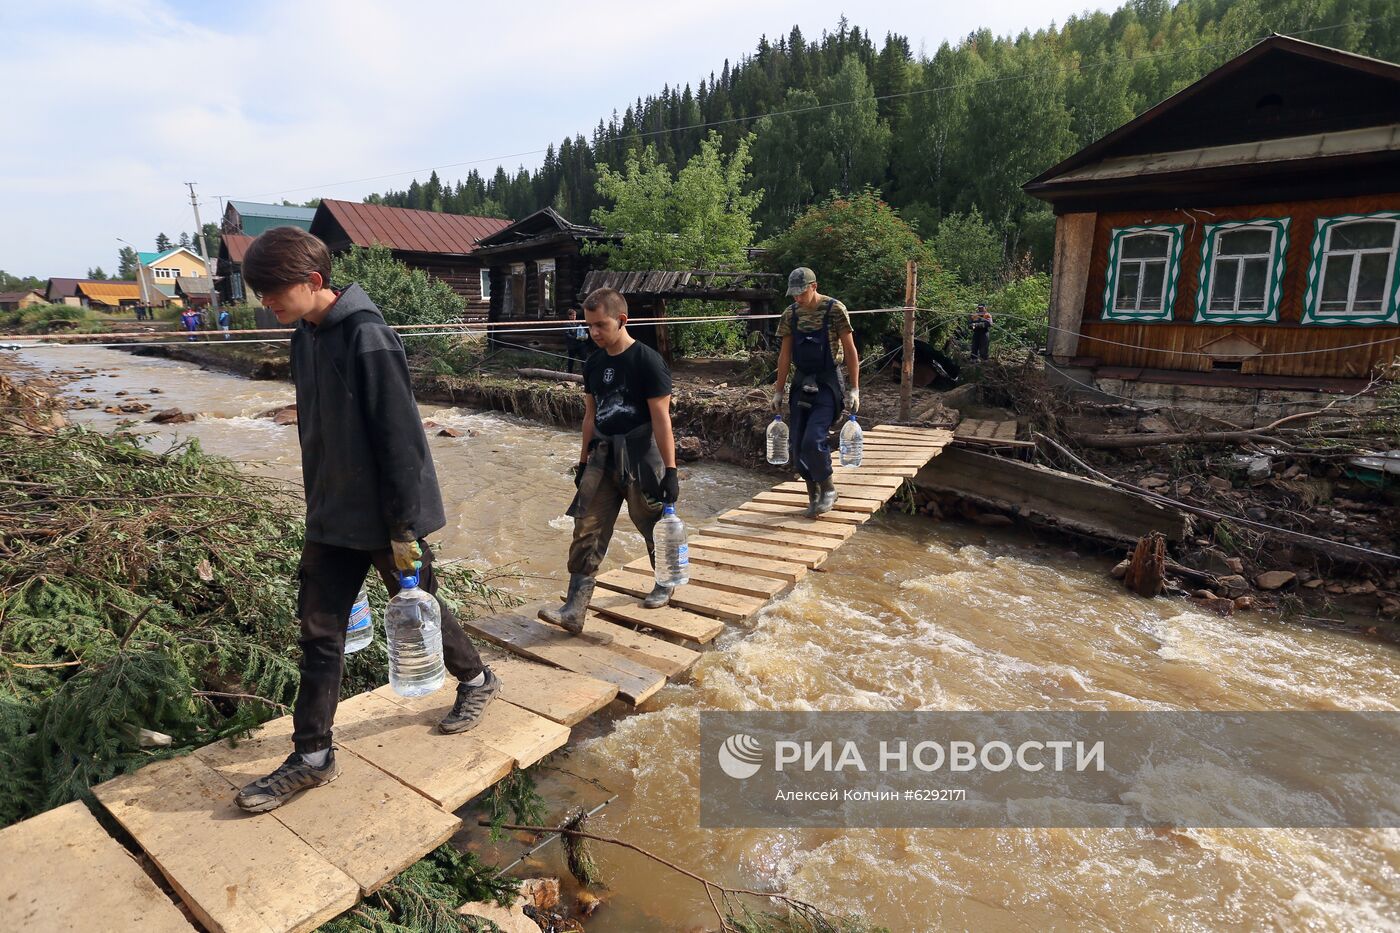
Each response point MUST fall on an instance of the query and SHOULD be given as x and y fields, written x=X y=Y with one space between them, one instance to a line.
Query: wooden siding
x=463 y=276
x=1173 y=341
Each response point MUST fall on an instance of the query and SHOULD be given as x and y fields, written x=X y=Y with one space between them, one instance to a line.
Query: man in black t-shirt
x=628 y=453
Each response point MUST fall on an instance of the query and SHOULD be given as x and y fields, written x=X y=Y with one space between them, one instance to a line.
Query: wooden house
x=229 y=268
x=18 y=301
x=442 y=245
x=1241 y=234
x=109 y=294
x=195 y=291
x=534 y=270
x=250 y=218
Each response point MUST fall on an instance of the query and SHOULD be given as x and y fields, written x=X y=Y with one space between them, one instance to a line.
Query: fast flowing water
x=910 y=615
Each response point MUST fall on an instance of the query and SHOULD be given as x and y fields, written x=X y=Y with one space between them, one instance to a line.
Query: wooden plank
x=885 y=470
x=731 y=581
x=560 y=695
x=447 y=769
x=236 y=873
x=772 y=536
x=850 y=499
x=879 y=483
x=505 y=727
x=876 y=458
x=799 y=509
x=807 y=526
x=365 y=822
x=655 y=653
x=787 y=571
x=668 y=619
x=897 y=442
x=716 y=539
x=65 y=874
x=910 y=430
x=731 y=607
x=532 y=638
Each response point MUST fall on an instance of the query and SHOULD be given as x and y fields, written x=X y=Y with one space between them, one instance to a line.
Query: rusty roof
x=401 y=228
x=235 y=244
x=110 y=291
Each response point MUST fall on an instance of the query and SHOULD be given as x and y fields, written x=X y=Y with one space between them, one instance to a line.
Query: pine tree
x=162 y=242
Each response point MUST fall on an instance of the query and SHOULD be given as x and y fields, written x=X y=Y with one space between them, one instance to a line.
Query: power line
x=710 y=124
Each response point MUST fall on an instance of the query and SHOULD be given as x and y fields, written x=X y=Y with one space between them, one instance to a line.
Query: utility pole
x=203 y=246
x=906 y=369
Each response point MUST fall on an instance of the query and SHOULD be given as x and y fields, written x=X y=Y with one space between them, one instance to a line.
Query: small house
x=250 y=218
x=195 y=291
x=109 y=294
x=229 y=267
x=442 y=245
x=1239 y=238
x=534 y=270
x=18 y=301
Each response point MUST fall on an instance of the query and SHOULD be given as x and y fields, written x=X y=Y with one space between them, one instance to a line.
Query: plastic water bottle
x=360 y=632
x=777 y=441
x=413 y=627
x=672 y=553
x=852 y=443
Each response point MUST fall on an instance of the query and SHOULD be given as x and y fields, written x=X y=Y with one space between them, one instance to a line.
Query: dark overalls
x=814 y=402
x=623 y=468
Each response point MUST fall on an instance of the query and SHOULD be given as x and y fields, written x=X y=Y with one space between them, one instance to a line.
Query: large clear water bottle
x=777 y=441
x=360 y=632
x=413 y=628
x=672 y=553
x=852 y=443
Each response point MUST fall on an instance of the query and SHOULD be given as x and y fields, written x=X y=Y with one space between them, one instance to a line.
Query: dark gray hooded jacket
x=364 y=456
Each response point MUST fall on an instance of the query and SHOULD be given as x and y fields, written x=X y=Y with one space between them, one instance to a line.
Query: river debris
x=283 y=414
x=172 y=416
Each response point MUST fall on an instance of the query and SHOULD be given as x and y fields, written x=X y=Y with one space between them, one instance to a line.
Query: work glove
x=578 y=473
x=670 y=486
x=853 y=401
x=408 y=555
x=778 y=400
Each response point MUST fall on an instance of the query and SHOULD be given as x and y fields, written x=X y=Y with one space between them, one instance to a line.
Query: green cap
x=800 y=278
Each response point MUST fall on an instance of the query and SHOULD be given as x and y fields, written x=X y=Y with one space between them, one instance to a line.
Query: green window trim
x=1278 y=250
x=1312 y=298
x=1175 y=232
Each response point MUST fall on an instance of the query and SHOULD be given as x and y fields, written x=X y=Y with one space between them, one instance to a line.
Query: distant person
x=371 y=494
x=191 y=322
x=981 y=324
x=225 y=322
x=816 y=339
x=628 y=453
x=579 y=343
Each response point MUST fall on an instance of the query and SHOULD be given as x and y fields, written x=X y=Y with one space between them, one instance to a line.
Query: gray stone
x=1274 y=579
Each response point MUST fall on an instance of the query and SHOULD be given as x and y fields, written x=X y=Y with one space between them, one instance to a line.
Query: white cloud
x=125 y=100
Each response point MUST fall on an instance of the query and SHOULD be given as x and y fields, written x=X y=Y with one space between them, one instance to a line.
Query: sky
x=112 y=105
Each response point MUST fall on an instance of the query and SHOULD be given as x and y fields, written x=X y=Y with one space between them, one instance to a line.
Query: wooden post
x=906 y=369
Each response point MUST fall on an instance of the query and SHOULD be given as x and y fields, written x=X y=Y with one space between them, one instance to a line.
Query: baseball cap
x=800 y=278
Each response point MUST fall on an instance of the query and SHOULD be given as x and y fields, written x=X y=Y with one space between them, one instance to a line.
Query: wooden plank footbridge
x=298 y=866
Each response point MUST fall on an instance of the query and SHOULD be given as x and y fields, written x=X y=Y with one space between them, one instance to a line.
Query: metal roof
x=194 y=284
x=150 y=259
x=275 y=211
x=110 y=292
x=234 y=245
x=1347 y=142
x=61 y=288
x=403 y=229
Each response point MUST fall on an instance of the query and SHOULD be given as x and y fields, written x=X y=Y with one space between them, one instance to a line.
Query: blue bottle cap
x=668 y=509
x=408 y=579
x=777 y=417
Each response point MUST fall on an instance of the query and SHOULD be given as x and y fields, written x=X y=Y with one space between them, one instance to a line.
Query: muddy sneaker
x=291 y=778
x=471 y=705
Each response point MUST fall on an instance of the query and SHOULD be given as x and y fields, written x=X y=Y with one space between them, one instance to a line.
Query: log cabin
x=1238 y=240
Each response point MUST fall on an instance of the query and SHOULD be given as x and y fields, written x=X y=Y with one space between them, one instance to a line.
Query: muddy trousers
x=330 y=579
x=981 y=344
x=593 y=530
x=811 y=452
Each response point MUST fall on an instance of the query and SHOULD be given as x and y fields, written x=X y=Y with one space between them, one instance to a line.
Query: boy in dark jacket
x=371 y=493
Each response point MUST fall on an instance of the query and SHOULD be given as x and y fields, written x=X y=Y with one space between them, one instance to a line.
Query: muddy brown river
x=909 y=615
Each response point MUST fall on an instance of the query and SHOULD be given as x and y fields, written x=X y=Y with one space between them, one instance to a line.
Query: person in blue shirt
x=225 y=322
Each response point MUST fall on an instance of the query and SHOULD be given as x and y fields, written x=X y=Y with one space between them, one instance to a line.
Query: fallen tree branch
x=802 y=908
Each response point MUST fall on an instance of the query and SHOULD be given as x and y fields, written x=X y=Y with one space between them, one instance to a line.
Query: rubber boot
x=570 y=616
x=813 y=493
x=827 y=499
x=658 y=597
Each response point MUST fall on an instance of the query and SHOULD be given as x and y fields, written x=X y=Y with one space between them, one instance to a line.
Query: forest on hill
x=937 y=134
